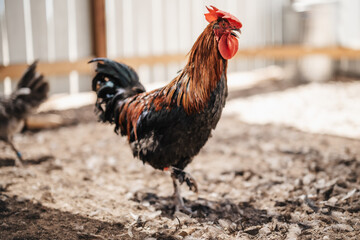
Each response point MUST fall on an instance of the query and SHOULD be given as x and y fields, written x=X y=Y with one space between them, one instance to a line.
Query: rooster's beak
x=236 y=32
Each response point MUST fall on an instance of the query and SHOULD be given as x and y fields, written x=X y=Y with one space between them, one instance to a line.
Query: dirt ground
x=255 y=182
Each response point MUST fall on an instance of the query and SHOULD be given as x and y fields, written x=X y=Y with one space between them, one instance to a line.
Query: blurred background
x=310 y=40
x=284 y=44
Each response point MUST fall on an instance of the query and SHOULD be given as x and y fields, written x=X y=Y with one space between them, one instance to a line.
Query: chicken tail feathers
x=113 y=83
x=30 y=92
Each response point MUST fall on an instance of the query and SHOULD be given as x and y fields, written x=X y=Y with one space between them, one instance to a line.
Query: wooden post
x=99 y=27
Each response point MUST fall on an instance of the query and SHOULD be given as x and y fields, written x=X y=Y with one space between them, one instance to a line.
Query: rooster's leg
x=19 y=160
x=179 y=202
x=184 y=177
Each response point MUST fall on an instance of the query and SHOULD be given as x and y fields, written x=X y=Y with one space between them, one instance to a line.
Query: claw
x=185 y=177
x=183 y=208
x=191 y=184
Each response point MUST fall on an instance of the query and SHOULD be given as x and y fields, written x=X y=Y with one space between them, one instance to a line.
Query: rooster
x=31 y=90
x=168 y=126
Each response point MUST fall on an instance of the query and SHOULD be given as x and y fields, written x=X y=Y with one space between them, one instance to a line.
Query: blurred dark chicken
x=167 y=127
x=31 y=90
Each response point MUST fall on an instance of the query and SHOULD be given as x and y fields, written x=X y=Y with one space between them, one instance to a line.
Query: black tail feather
x=28 y=76
x=38 y=87
x=113 y=83
x=31 y=91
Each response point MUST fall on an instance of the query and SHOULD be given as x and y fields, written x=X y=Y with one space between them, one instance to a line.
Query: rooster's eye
x=223 y=24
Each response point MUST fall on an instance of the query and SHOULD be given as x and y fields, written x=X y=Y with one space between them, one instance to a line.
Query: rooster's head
x=224 y=27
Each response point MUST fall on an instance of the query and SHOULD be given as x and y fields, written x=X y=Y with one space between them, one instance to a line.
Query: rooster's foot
x=179 y=202
x=19 y=160
x=183 y=176
x=180 y=207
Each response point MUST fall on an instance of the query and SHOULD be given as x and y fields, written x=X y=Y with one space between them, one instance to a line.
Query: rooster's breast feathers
x=160 y=130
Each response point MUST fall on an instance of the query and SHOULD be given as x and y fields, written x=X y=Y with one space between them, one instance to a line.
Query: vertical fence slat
x=112 y=29
x=171 y=26
x=143 y=27
x=142 y=34
x=50 y=27
x=16 y=30
x=5 y=85
x=61 y=30
x=119 y=28
x=28 y=32
x=4 y=49
x=84 y=31
x=72 y=30
x=157 y=38
x=60 y=84
x=83 y=18
x=3 y=41
x=196 y=10
x=73 y=45
x=348 y=30
x=39 y=28
x=184 y=23
x=157 y=19
x=128 y=28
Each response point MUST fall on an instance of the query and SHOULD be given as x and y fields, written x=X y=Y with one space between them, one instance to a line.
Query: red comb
x=215 y=13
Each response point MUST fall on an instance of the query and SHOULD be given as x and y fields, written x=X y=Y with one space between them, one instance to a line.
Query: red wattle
x=228 y=46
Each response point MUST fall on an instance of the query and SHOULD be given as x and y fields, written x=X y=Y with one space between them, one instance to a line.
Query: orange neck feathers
x=200 y=75
x=191 y=89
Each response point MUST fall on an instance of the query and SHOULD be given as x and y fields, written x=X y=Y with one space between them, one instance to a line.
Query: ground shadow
x=23 y=219
x=243 y=215
x=10 y=162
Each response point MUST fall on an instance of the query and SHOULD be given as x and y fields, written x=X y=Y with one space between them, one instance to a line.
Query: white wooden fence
x=47 y=30
x=61 y=30
x=157 y=27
